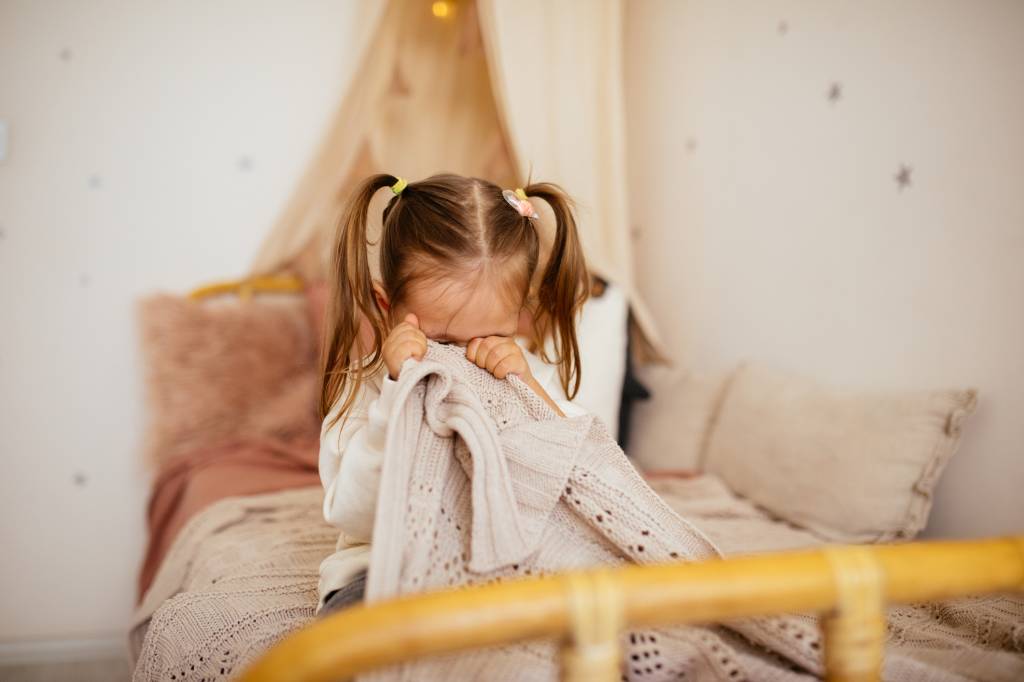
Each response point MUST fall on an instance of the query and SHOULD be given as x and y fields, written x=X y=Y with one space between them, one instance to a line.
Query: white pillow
x=602 y=335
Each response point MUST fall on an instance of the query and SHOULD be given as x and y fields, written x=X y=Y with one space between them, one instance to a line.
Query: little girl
x=457 y=263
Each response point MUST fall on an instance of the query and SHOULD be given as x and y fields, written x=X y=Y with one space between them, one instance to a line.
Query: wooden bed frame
x=848 y=585
x=245 y=288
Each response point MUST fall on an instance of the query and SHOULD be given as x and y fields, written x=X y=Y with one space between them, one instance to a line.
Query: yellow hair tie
x=520 y=193
x=399 y=186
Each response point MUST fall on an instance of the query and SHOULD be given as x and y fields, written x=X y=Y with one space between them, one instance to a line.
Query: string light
x=441 y=9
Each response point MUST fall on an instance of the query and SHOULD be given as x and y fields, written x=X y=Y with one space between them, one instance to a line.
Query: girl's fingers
x=480 y=349
x=403 y=342
x=504 y=368
x=471 y=349
x=406 y=351
x=403 y=333
x=407 y=346
x=496 y=356
x=416 y=347
x=494 y=352
x=486 y=349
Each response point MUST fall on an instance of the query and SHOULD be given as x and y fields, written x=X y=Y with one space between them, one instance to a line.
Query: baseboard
x=29 y=651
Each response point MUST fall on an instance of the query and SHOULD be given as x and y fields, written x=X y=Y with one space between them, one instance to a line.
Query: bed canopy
x=493 y=88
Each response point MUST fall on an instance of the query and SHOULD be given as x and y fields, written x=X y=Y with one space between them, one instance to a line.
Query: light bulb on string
x=441 y=9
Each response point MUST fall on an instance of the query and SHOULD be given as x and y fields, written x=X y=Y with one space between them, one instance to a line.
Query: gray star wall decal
x=903 y=176
x=835 y=92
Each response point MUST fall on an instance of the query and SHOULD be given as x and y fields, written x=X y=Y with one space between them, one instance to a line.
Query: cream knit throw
x=482 y=482
x=243 y=572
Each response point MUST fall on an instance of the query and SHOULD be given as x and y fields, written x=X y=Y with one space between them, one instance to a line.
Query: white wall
x=770 y=224
x=151 y=146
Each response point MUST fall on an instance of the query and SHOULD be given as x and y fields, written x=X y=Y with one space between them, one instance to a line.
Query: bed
x=237 y=532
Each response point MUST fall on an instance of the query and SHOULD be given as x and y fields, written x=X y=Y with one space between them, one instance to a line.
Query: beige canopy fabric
x=557 y=75
x=418 y=103
x=508 y=91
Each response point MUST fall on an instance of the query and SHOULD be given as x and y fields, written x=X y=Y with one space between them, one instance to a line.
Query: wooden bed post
x=855 y=630
x=595 y=613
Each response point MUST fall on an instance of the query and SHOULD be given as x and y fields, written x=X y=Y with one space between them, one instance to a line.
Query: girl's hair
x=445 y=225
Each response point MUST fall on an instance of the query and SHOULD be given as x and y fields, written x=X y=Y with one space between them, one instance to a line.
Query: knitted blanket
x=243 y=572
x=482 y=482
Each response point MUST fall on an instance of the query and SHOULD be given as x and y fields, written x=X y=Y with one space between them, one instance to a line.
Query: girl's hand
x=404 y=341
x=499 y=355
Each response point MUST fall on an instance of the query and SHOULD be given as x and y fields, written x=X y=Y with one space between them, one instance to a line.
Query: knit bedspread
x=483 y=483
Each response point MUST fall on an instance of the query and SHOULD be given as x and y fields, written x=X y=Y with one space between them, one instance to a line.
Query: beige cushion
x=669 y=431
x=849 y=466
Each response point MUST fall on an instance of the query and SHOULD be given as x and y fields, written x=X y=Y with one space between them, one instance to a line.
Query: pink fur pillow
x=226 y=370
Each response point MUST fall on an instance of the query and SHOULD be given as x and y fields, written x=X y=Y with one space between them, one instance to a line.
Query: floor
x=101 y=670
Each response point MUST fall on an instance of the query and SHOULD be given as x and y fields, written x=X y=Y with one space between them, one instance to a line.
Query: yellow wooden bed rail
x=848 y=585
x=245 y=288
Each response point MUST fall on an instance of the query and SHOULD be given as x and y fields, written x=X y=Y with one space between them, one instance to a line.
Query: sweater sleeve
x=351 y=455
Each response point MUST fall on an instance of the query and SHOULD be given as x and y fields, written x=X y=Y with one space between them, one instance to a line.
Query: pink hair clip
x=520 y=203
